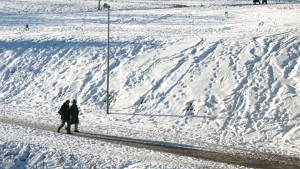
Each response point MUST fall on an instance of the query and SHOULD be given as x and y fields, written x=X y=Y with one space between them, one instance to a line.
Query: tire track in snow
x=240 y=157
x=60 y=56
x=238 y=102
x=272 y=46
x=189 y=60
x=181 y=60
x=259 y=81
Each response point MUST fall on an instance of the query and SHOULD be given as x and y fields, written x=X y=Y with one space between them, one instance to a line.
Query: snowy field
x=180 y=72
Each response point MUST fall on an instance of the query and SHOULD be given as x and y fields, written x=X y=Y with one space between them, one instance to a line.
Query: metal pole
x=99 y=7
x=107 y=94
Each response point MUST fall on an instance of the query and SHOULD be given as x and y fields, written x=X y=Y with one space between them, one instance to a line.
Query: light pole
x=99 y=7
x=107 y=81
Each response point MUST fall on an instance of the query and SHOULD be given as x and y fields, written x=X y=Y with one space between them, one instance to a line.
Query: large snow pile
x=180 y=71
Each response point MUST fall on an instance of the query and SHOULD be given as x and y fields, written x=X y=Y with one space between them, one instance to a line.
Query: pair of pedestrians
x=69 y=115
x=263 y=2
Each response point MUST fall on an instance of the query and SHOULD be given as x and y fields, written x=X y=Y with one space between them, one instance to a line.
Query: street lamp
x=107 y=81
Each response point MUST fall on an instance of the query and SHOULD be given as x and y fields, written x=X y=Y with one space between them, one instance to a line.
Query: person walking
x=26 y=27
x=264 y=2
x=74 y=115
x=254 y=2
x=65 y=116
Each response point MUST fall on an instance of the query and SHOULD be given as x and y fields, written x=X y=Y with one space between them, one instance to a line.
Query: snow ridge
x=186 y=75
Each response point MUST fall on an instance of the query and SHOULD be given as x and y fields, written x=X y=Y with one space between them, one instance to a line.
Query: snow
x=185 y=75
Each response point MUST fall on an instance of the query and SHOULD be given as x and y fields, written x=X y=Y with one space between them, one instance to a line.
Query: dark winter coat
x=74 y=114
x=65 y=112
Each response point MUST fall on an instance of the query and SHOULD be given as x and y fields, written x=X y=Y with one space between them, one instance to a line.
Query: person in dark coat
x=74 y=115
x=65 y=116
x=26 y=27
x=254 y=1
x=264 y=2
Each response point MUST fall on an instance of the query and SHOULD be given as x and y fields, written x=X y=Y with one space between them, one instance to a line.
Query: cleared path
x=245 y=158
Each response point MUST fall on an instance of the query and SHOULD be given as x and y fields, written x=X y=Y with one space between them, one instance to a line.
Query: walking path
x=247 y=158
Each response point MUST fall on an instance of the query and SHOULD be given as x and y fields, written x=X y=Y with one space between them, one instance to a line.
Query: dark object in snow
x=226 y=14
x=264 y=2
x=74 y=114
x=65 y=116
x=179 y=6
x=26 y=27
x=255 y=1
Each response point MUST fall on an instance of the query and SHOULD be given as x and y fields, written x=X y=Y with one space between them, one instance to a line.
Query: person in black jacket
x=254 y=1
x=65 y=116
x=74 y=115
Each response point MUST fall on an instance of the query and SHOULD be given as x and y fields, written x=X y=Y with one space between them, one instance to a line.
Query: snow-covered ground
x=186 y=75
